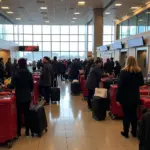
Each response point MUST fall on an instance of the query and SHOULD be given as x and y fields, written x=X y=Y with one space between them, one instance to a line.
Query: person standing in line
x=8 y=68
x=128 y=95
x=117 y=68
x=22 y=81
x=34 y=66
x=46 y=79
x=1 y=71
x=14 y=67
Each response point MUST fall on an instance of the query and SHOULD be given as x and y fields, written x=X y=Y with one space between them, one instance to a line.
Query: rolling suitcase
x=55 y=94
x=75 y=87
x=115 y=110
x=99 y=108
x=38 y=121
x=8 y=117
x=85 y=91
x=81 y=82
x=36 y=95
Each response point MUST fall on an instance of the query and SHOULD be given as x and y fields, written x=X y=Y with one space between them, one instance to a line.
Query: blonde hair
x=131 y=65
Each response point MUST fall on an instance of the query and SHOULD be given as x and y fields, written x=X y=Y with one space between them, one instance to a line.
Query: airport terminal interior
x=71 y=29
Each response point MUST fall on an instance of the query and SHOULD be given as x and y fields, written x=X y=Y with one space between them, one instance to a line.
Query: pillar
x=98 y=29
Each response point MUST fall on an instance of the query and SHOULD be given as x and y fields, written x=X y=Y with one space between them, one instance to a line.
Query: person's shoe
x=125 y=134
x=27 y=133
x=133 y=134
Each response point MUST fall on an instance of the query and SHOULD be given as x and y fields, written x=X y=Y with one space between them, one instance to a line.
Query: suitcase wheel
x=9 y=144
x=113 y=117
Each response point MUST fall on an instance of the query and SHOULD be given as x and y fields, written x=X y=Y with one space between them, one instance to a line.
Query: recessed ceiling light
x=135 y=7
x=74 y=18
x=47 y=21
x=18 y=18
x=10 y=12
x=43 y=8
x=76 y=13
x=118 y=4
x=5 y=7
x=81 y=3
x=107 y=13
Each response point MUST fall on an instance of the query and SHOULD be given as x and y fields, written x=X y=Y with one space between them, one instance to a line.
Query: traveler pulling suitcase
x=8 y=117
x=38 y=121
x=99 y=104
x=75 y=87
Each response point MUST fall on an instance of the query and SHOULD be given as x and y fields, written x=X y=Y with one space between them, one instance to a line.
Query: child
x=144 y=131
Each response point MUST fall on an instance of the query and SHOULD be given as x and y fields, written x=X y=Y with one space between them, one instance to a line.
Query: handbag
x=100 y=92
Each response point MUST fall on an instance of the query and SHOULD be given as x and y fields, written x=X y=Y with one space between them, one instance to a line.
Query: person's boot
x=27 y=132
x=125 y=134
x=133 y=133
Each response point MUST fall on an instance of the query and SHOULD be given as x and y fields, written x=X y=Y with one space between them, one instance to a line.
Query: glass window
x=20 y=37
x=142 y=22
x=28 y=56
x=28 y=44
x=73 y=29
x=19 y=55
x=27 y=29
x=90 y=29
x=20 y=43
x=106 y=37
x=82 y=55
x=107 y=29
x=133 y=25
x=90 y=38
x=81 y=37
x=37 y=38
x=106 y=43
x=27 y=37
x=55 y=46
x=9 y=37
x=16 y=29
x=46 y=46
x=124 y=30
x=55 y=29
x=55 y=37
x=64 y=37
x=46 y=38
x=73 y=46
x=20 y=29
x=48 y=54
x=37 y=29
x=81 y=46
x=46 y=29
x=74 y=55
x=16 y=37
x=64 y=46
x=64 y=55
x=38 y=44
x=1 y=28
x=57 y=54
x=64 y=29
x=37 y=56
x=73 y=38
x=82 y=29
x=8 y=29
x=90 y=46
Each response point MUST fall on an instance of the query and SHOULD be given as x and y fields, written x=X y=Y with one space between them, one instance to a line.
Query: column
x=98 y=29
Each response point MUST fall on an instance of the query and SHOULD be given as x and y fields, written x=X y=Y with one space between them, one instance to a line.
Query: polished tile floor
x=71 y=127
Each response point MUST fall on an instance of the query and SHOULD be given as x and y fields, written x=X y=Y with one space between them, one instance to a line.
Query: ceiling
x=125 y=9
x=59 y=11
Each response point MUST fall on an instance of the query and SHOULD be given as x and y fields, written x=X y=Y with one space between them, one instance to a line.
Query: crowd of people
x=129 y=82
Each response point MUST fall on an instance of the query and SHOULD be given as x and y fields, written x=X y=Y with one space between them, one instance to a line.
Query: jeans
x=23 y=108
x=130 y=117
x=90 y=97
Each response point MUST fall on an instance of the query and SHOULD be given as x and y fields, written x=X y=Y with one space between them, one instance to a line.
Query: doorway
x=141 y=59
x=123 y=57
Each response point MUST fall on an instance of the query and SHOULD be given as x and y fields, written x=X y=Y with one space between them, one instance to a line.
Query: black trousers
x=130 y=117
x=23 y=108
x=62 y=76
x=90 y=97
x=45 y=92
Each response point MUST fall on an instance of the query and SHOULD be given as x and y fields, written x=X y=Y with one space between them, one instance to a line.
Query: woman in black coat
x=128 y=95
x=22 y=81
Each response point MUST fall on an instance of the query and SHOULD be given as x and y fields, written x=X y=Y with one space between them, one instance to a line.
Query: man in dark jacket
x=46 y=79
x=22 y=81
x=144 y=132
x=14 y=67
x=108 y=67
x=1 y=71
x=8 y=68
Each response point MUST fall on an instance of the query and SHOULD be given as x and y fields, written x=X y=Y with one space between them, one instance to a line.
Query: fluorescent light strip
x=18 y=18
x=107 y=13
x=74 y=18
x=81 y=3
x=118 y=4
x=135 y=7
x=47 y=21
x=43 y=8
x=10 y=12
x=5 y=7
x=76 y=13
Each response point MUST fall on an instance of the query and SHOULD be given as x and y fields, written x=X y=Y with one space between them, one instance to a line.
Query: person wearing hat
x=46 y=79
x=22 y=81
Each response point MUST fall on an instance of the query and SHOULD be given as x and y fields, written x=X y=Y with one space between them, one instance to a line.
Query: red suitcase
x=8 y=117
x=115 y=110
x=145 y=103
x=35 y=96
x=36 y=77
x=85 y=91
x=145 y=92
x=81 y=82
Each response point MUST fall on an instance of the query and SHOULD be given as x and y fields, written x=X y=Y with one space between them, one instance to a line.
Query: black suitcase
x=38 y=121
x=99 y=108
x=55 y=94
x=75 y=88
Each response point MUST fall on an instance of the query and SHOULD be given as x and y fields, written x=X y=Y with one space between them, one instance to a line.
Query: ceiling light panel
x=81 y=3
x=74 y=18
x=118 y=4
x=135 y=7
x=5 y=7
x=43 y=8
x=10 y=12
x=107 y=13
x=18 y=18
x=76 y=13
